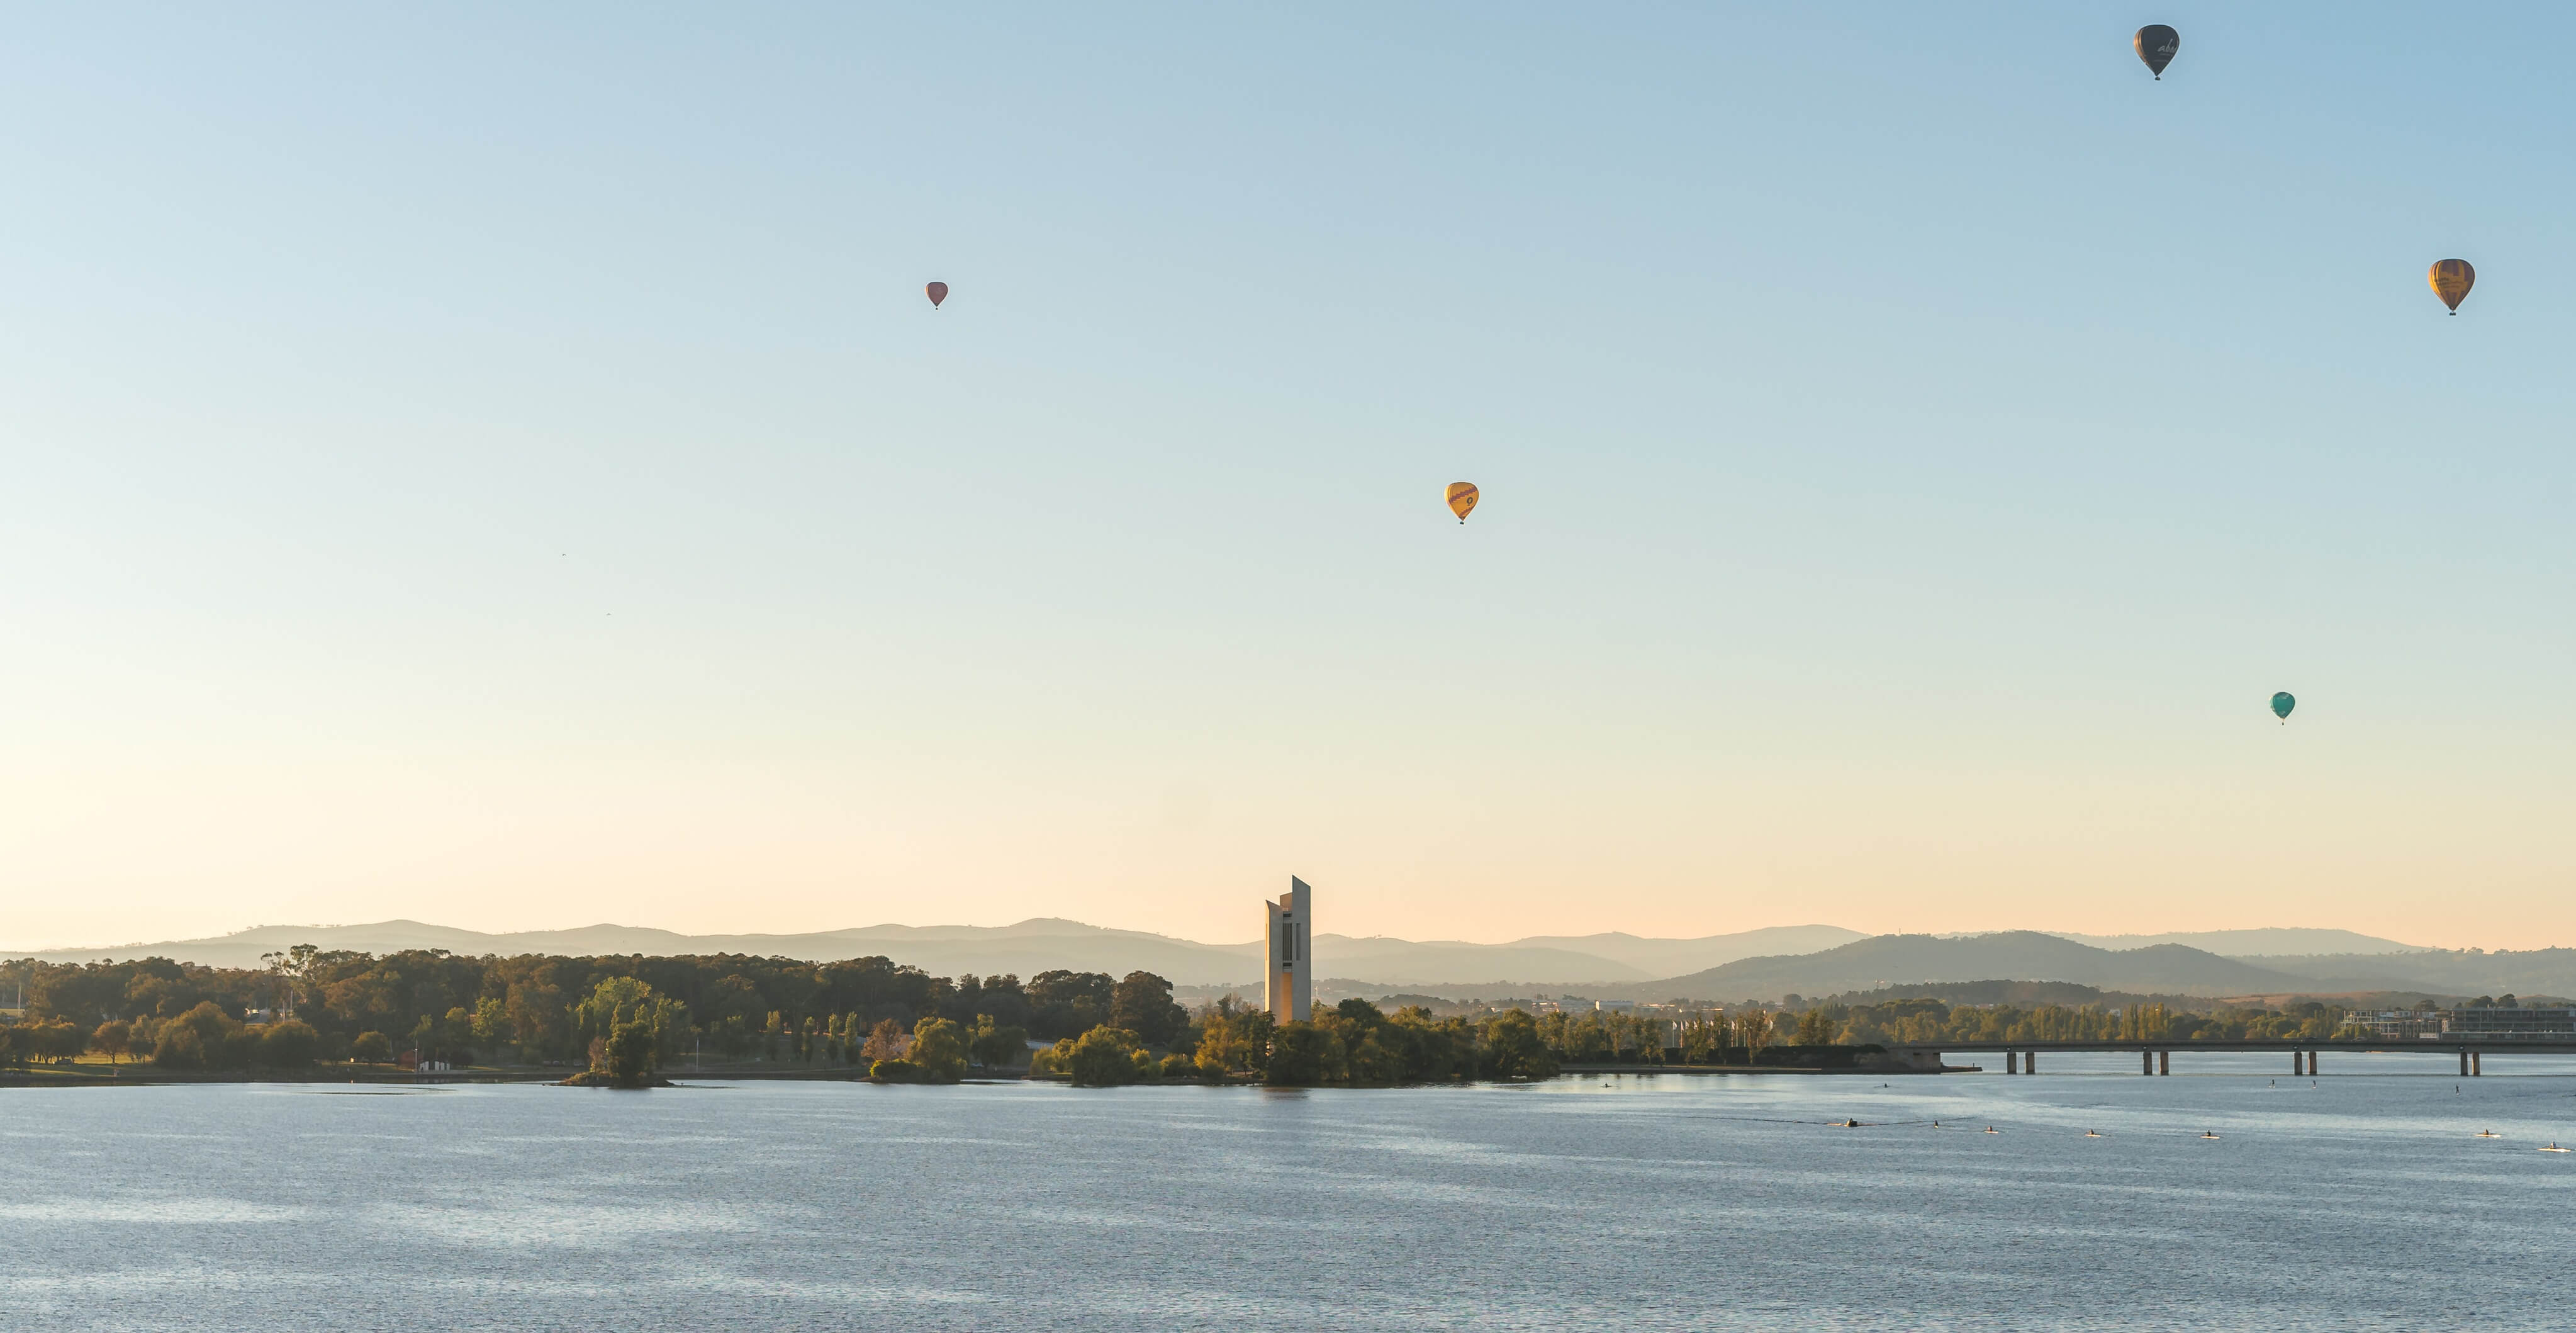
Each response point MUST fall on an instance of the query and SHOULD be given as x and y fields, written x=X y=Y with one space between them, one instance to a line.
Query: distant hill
x=2016 y=955
x=2274 y=940
x=1665 y=958
x=2456 y=972
x=1038 y=945
x=1757 y=964
x=1025 y=948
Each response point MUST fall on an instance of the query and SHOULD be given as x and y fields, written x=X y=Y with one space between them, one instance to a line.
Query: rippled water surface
x=2362 y=1202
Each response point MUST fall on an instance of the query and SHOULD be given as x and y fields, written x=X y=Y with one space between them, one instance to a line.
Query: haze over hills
x=1756 y=964
x=1042 y=944
x=2273 y=940
x=2017 y=955
x=1025 y=948
x=2163 y=969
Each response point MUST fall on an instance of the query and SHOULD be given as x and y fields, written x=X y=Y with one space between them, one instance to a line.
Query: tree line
x=1353 y=1043
x=622 y=1018
x=309 y=1004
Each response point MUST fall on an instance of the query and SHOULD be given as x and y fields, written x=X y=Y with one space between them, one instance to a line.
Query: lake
x=1678 y=1202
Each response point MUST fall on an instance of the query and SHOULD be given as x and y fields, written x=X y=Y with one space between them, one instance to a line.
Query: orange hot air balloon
x=2452 y=279
x=1462 y=498
x=938 y=293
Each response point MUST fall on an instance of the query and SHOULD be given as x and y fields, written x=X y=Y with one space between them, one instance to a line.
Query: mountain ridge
x=1763 y=963
x=1027 y=947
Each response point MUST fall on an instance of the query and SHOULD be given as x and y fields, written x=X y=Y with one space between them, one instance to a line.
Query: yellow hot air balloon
x=2452 y=279
x=1462 y=498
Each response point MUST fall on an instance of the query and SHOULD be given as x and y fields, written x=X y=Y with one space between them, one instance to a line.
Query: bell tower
x=1288 y=988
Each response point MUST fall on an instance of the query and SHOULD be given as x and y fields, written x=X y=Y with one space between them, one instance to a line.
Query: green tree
x=939 y=1048
x=113 y=1039
x=1233 y=1039
x=629 y=1054
x=288 y=1045
x=1142 y=1004
x=490 y=1025
x=994 y=1046
x=1816 y=1028
x=1302 y=1053
x=1513 y=1048
x=205 y=1037
x=621 y=1000
x=371 y=1048
x=1103 y=1057
x=1067 y=1004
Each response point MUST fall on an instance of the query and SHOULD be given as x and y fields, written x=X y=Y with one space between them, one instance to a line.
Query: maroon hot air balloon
x=938 y=293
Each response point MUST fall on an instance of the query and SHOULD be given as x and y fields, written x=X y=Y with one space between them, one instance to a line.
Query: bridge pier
x=2477 y=1063
x=2298 y=1063
x=2164 y=1062
x=2030 y=1062
x=2464 y=1062
x=2147 y=1063
x=2312 y=1064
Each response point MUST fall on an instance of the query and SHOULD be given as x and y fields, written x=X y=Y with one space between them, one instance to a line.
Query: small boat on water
x=1852 y=1123
x=1992 y=1130
x=2091 y=1134
x=2553 y=1147
x=2206 y=1134
x=2488 y=1134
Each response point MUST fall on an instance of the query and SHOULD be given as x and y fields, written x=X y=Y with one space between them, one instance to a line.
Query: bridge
x=2155 y=1056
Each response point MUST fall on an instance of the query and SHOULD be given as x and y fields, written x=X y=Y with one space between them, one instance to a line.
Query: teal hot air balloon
x=2282 y=703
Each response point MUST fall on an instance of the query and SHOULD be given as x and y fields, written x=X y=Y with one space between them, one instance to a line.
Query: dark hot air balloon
x=2156 y=45
x=2452 y=279
x=938 y=293
x=1462 y=498
x=2282 y=703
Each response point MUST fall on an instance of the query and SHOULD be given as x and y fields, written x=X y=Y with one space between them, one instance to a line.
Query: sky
x=496 y=466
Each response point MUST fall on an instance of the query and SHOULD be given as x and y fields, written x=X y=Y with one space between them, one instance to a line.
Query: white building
x=1288 y=987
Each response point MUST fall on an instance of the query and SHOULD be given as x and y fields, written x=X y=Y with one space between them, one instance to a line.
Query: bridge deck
x=2490 y=1043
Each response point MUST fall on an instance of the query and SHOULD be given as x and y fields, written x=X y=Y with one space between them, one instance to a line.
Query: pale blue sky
x=500 y=469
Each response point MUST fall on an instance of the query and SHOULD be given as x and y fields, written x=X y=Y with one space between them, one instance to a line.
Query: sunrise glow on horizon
x=1908 y=461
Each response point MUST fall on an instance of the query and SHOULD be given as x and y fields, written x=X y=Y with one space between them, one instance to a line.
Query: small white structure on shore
x=1288 y=987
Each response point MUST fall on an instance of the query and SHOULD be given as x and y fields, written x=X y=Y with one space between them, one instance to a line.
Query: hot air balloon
x=2156 y=45
x=2452 y=279
x=1462 y=498
x=938 y=293
x=2282 y=703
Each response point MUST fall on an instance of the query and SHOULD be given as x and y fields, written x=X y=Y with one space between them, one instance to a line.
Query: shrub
x=1103 y=1057
x=939 y=1049
x=894 y=1071
x=179 y=1047
x=1056 y=1059
x=371 y=1048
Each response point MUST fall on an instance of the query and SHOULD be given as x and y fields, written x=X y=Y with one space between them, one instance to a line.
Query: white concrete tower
x=1289 y=990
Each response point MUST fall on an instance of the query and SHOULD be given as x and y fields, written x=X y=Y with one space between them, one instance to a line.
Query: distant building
x=1614 y=1006
x=1288 y=988
x=2486 y=1024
